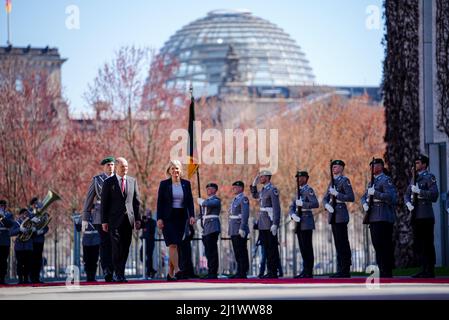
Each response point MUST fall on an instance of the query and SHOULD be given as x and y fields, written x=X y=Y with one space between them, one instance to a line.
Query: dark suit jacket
x=115 y=206
x=165 y=199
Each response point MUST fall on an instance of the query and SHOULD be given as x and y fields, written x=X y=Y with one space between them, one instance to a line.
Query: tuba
x=41 y=214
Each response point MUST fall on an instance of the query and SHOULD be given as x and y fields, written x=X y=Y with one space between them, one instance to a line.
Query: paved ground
x=354 y=289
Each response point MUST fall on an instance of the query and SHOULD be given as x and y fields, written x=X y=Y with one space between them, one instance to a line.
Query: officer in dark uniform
x=339 y=217
x=38 y=242
x=23 y=249
x=210 y=217
x=268 y=219
x=148 y=232
x=381 y=217
x=423 y=218
x=301 y=213
x=92 y=212
x=6 y=222
x=238 y=228
x=91 y=248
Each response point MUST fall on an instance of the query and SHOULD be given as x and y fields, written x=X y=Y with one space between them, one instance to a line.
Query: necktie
x=123 y=185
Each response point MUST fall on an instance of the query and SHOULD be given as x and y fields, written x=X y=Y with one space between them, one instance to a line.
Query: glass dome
x=267 y=56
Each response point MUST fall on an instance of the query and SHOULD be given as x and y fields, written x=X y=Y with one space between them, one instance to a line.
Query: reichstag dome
x=263 y=54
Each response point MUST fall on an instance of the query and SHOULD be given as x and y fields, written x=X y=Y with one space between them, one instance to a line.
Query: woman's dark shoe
x=170 y=278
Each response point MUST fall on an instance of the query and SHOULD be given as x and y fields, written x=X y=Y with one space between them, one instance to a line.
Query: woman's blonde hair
x=173 y=163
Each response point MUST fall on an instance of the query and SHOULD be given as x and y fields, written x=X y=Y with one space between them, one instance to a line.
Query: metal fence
x=63 y=249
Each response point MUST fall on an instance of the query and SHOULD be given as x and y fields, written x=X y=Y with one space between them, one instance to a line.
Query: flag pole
x=8 y=13
x=192 y=101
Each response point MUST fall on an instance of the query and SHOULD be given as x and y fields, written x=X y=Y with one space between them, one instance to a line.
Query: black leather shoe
x=211 y=276
x=109 y=277
x=170 y=278
x=261 y=276
x=271 y=276
x=299 y=275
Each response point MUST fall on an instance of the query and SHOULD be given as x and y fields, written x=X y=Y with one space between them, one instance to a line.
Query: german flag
x=8 y=6
x=192 y=164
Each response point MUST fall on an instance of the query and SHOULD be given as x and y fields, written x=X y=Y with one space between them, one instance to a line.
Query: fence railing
x=63 y=249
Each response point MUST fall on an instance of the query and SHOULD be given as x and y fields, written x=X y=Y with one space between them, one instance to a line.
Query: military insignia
x=390 y=182
x=245 y=200
x=268 y=188
x=276 y=192
x=311 y=192
x=434 y=179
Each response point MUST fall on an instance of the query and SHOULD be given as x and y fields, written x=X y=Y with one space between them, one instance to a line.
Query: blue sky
x=334 y=35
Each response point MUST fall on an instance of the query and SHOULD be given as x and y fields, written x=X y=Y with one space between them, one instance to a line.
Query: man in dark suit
x=120 y=203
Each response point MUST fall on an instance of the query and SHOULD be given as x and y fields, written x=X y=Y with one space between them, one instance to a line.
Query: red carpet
x=318 y=280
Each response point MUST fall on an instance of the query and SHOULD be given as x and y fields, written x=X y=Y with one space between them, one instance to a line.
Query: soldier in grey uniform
x=6 y=222
x=381 y=217
x=339 y=217
x=210 y=222
x=423 y=218
x=92 y=213
x=38 y=242
x=23 y=249
x=269 y=216
x=238 y=228
x=91 y=247
x=301 y=212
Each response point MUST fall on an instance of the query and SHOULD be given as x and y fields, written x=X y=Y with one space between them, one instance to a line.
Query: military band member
x=339 y=217
x=92 y=212
x=210 y=217
x=381 y=217
x=91 y=248
x=23 y=249
x=268 y=219
x=38 y=242
x=238 y=229
x=423 y=218
x=6 y=222
x=301 y=213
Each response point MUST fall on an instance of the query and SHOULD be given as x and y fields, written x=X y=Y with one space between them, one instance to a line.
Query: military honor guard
x=238 y=229
x=23 y=249
x=6 y=222
x=301 y=212
x=92 y=217
x=91 y=248
x=210 y=222
x=418 y=198
x=38 y=242
x=339 y=192
x=268 y=219
x=379 y=203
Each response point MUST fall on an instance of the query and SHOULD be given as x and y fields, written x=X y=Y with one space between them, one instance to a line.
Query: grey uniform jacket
x=384 y=200
x=240 y=210
x=20 y=245
x=92 y=204
x=310 y=202
x=268 y=198
x=91 y=236
x=211 y=207
x=6 y=223
x=345 y=194
x=429 y=193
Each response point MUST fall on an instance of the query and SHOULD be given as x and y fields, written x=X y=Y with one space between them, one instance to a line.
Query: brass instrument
x=43 y=217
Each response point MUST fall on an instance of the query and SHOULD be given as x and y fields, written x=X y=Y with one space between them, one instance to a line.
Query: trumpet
x=41 y=219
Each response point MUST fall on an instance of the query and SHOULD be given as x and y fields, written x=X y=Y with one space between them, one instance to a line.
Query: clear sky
x=341 y=38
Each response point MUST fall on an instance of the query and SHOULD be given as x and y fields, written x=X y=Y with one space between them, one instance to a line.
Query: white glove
x=299 y=202
x=329 y=208
x=365 y=207
x=447 y=210
x=274 y=229
x=33 y=229
x=35 y=220
x=255 y=181
x=198 y=224
x=200 y=201
x=333 y=191
x=39 y=232
x=295 y=218
x=23 y=230
x=371 y=191
x=410 y=206
x=416 y=189
x=84 y=225
x=242 y=233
